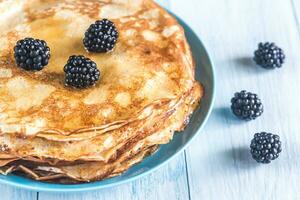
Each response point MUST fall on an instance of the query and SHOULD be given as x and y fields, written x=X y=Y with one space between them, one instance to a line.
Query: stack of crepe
x=146 y=92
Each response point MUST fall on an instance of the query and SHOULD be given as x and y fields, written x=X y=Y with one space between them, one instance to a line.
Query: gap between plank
x=295 y=15
x=187 y=175
x=37 y=196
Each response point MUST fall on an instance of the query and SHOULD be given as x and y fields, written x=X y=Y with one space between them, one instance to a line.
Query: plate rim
x=62 y=188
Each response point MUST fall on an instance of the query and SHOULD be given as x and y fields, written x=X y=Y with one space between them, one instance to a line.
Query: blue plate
x=205 y=74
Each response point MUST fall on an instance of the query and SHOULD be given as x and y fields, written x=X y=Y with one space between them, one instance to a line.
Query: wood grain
x=296 y=11
x=219 y=163
x=11 y=193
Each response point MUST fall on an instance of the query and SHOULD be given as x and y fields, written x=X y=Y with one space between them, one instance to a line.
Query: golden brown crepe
x=146 y=92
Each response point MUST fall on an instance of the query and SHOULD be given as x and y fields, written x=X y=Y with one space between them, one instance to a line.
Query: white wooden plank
x=219 y=164
x=168 y=182
x=10 y=193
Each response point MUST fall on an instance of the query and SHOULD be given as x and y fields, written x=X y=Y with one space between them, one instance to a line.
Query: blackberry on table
x=81 y=72
x=246 y=105
x=32 y=54
x=265 y=147
x=101 y=36
x=269 y=56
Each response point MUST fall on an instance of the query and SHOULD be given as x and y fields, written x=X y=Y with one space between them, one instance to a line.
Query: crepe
x=147 y=90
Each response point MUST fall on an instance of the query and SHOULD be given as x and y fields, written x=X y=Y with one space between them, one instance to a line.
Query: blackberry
x=32 y=54
x=101 y=36
x=265 y=147
x=269 y=56
x=246 y=105
x=81 y=72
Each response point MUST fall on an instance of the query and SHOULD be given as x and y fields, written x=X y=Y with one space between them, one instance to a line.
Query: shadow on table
x=241 y=157
x=246 y=61
x=249 y=63
x=225 y=114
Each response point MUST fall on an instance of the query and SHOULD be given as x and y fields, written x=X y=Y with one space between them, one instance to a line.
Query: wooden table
x=217 y=165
